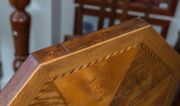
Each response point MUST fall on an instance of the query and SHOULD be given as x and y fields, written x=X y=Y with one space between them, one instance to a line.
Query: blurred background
x=53 y=20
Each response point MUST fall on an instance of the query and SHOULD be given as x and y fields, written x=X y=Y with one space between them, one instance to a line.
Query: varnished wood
x=127 y=64
x=78 y=19
x=125 y=10
x=20 y=22
x=113 y=13
x=102 y=16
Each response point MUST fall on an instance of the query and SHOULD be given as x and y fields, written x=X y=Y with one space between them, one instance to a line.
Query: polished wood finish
x=113 y=12
x=125 y=8
x=20 y=22
x=176 y=101
x=128 y=64
x=102 y=13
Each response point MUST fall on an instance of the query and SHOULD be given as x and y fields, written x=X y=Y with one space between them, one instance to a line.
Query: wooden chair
x=83 y=8
x=128 y=64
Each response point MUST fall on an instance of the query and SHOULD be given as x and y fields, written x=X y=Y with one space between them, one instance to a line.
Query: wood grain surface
x=124 y=65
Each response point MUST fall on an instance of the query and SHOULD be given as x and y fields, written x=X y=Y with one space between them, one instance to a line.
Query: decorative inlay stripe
x=141 y=45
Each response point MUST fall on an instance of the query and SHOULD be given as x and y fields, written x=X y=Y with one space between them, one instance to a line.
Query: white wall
x=0 y=49
x=40 y=11
x=56 y=20
x=175 y=27
x=67 y=18
x=6 y=40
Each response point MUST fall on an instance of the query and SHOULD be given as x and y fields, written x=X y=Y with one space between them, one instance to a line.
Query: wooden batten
x=127 y=64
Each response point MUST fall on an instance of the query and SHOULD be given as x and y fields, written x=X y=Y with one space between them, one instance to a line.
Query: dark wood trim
x=136 y=7
x=102 y=13
x=20 y=22
x=78 y=19
x=113 y=12
x=163 y=23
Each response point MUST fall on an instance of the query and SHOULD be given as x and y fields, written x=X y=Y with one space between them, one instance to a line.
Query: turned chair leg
x=20 y=22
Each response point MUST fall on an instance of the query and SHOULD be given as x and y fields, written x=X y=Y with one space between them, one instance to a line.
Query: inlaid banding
x=99 y=91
